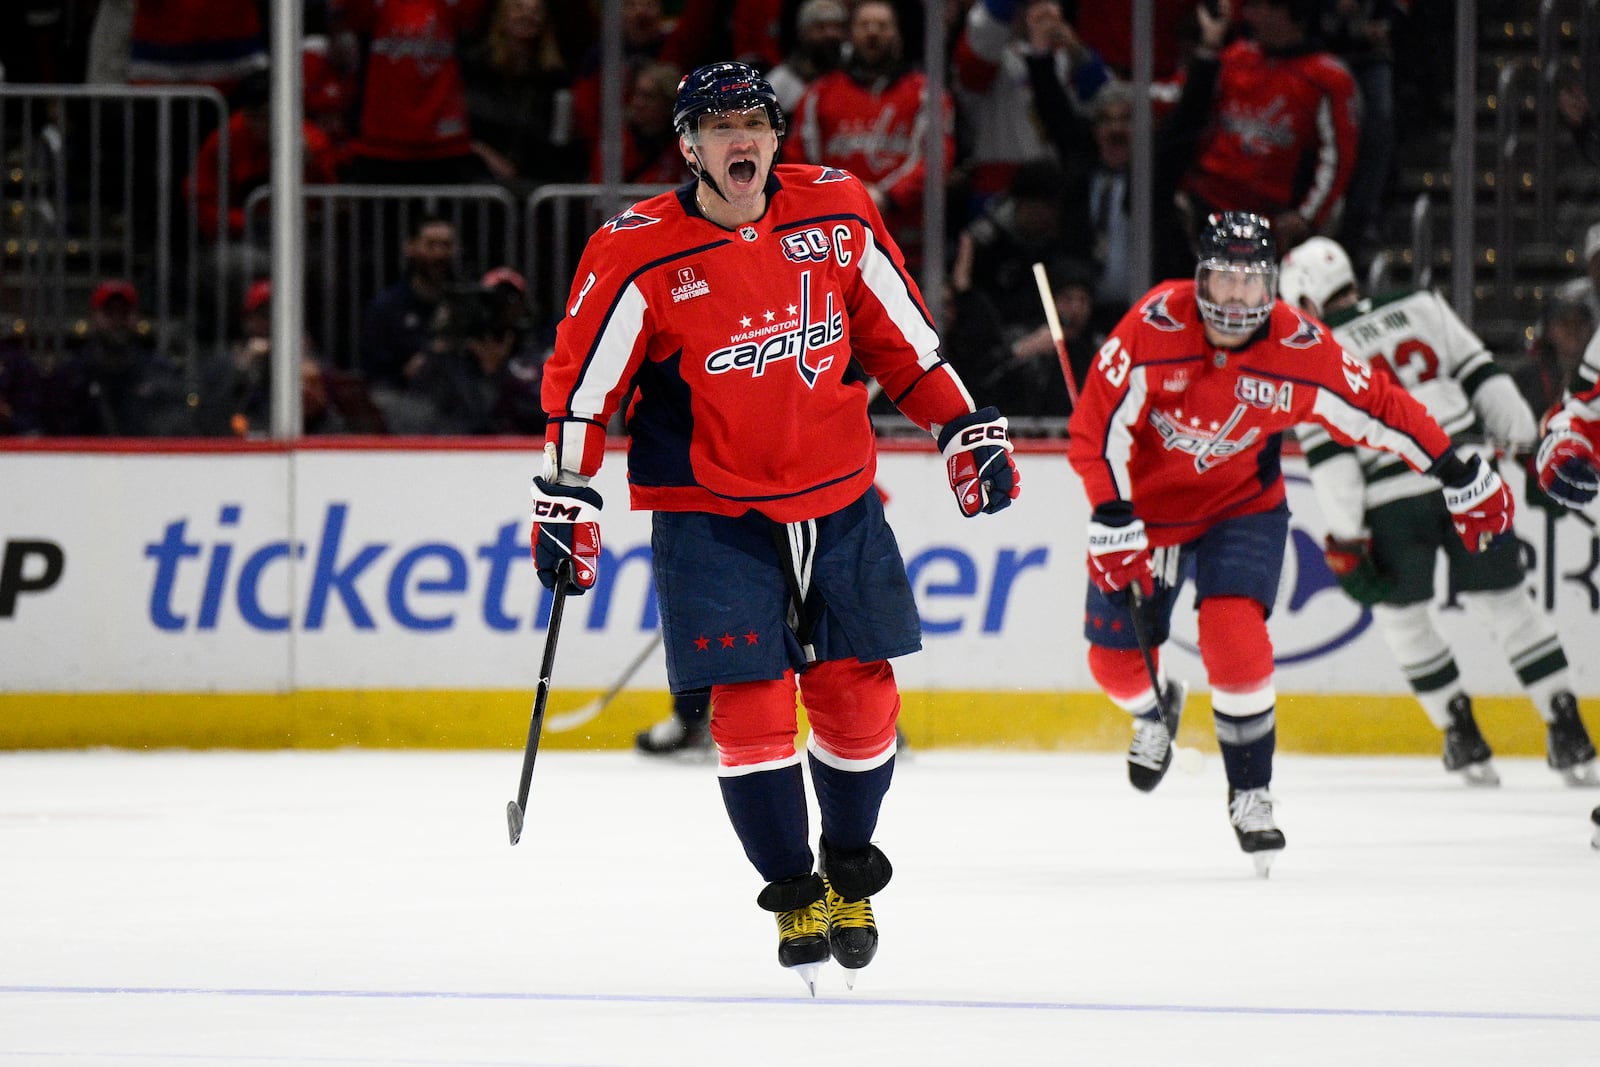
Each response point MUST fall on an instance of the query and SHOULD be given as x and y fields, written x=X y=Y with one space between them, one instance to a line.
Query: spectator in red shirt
x=867 y=118
x=649 y=143
x=413 y=128
x=1284 y=127
x=250 y=159
x=249 y=168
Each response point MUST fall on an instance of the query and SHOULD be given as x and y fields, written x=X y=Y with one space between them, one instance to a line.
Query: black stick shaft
x=515 y=811
x=1136 y=606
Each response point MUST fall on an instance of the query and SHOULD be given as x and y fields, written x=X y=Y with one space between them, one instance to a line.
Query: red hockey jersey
x=1283 y=136
x=414 y=104
x=1191 y=433
x=735 y=348
x=875 y=132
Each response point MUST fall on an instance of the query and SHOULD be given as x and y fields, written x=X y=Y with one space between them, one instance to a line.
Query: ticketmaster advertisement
x=329 y=596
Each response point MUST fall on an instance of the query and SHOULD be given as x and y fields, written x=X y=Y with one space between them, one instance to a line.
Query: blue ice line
x=846 y=1001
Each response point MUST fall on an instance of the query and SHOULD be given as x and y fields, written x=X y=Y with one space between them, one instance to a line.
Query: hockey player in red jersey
x=1177 y=438
x=728 y=316
x=1566 y=464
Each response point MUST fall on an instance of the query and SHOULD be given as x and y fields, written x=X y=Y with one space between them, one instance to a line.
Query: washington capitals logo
x=831 y=174
x=1157 y=315
x=1208 y=449
x=797 y=337
x=629 y=220
x=1307 y=335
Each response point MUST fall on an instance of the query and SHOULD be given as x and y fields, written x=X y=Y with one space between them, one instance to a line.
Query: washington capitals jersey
x=1416 y=339
x=733 y=350
x=1191 y=433
x=1283 y=137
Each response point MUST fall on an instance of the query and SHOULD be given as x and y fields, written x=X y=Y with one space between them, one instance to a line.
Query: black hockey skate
x=802 y=910
x=1250 y=812
x=1150 y=753
x=850 y=879
x=1569 y=750
x=1465 y=750
x=1594 y=818
x=671 y=737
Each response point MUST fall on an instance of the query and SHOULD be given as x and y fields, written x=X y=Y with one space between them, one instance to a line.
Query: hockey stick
x=1189 y=759
x=1047 y=298
x=571 y=720
x=516 y=808
x=1136 y=604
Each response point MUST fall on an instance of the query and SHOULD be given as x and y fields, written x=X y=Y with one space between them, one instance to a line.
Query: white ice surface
x=355 y=908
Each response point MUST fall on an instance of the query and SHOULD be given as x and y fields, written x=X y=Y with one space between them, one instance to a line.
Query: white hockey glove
x=566 y=526
x=1119 y=551
x=1479 y=503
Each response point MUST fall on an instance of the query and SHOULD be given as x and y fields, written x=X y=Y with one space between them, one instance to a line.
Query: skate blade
x=808 y=973
x=850 y=975
x=1580 y=775
x=1480 y=774
x=1263 y=861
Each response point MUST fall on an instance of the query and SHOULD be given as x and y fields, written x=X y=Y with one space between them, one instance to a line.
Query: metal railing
x=1545 y=121
x=354 y=239
x=1506 y=178
x=96 y=173
x=557 y=222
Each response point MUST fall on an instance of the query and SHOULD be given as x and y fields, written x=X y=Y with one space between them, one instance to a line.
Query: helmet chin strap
x=704 y=174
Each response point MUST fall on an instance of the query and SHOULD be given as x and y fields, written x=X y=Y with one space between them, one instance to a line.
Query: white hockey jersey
x=1415 y=338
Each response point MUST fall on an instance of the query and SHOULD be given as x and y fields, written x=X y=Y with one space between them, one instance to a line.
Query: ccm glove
x=1351 y=562
x=1567 y=467
x=1479 y=503
x=977 y=457
x=1119 y=553
x=566 y=526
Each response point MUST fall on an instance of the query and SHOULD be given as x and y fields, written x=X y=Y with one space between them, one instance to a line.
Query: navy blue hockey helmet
x=1237 y=242
x=719 y=87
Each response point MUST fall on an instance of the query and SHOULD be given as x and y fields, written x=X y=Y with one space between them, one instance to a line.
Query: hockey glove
x=1351 y=562
x=1479 y=503
x=1119 y=553
x=1567 y=467
x=566 y=526
x=977 y=457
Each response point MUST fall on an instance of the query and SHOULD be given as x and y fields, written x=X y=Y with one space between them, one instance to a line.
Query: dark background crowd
x=1290 y=108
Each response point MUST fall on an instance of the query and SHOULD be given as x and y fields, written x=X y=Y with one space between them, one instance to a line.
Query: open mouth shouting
x=742 y=175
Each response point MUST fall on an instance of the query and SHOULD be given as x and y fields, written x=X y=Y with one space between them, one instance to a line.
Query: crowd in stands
x=1282 y=107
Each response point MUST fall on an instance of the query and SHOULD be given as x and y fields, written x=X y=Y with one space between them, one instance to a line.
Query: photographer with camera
x=479 y=374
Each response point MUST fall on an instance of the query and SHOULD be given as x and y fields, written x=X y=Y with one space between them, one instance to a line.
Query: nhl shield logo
x=748 y=233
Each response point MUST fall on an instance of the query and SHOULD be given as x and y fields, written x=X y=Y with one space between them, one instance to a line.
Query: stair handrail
x=1545 y=132
x=1507 y=123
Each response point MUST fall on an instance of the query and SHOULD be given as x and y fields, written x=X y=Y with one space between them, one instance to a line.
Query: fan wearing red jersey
x=1176 y=438
x=727 y=319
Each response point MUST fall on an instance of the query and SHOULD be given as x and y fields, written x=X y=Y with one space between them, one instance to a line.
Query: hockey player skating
x=1569 y=470
x=1387 y=525
x=730 y=310
x=1177 y=440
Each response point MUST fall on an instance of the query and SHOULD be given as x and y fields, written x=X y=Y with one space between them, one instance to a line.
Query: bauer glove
x=1351 y=562
x=1119 y=553
x=566 y=526
x=1480 y=505
x=977 y=457
x=1567 y=467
